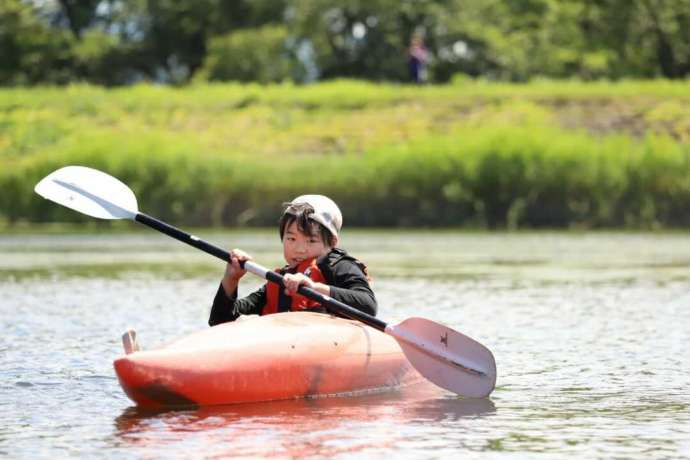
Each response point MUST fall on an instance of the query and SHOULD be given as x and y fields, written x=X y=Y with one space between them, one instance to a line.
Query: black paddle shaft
x=330 y=303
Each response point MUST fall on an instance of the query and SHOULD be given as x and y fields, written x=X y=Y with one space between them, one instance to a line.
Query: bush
x=252 y=55
x=474 y=155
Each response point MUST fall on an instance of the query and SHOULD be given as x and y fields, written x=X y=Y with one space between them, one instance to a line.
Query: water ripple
x=590 y=338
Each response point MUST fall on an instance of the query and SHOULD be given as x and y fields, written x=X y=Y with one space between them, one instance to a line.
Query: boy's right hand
x=233 y=271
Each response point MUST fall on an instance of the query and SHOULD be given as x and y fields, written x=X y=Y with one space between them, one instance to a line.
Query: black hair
x=299 y=214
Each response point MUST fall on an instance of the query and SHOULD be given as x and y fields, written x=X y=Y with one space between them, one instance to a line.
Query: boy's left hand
x=293 y=281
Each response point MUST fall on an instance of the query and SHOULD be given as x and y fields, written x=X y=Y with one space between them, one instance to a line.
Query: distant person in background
x=417 y=58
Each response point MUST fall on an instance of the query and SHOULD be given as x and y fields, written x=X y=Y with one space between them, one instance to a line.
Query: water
x=589 y=331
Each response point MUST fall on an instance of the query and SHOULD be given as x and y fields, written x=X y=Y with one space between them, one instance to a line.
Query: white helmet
x=326 y=212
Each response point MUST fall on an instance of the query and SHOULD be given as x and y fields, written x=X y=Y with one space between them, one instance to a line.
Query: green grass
x=478 y=154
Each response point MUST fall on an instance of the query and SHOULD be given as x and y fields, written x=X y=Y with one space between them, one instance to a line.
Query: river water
x=590 y=333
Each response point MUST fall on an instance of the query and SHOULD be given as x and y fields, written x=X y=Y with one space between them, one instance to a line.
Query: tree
x=119 y=42
x=78 y=14
x=31 y=51
x=248 y=55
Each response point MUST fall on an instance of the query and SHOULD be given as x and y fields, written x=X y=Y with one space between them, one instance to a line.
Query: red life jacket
x=297 y=302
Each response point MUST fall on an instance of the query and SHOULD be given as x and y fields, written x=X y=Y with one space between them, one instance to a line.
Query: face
x=298 y=247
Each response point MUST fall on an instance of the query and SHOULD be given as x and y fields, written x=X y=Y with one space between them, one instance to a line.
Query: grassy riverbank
x=547 y=154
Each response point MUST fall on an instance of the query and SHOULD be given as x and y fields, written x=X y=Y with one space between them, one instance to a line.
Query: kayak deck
x=273 y=357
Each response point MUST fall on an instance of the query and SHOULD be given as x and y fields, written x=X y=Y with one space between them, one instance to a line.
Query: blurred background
x=116 y=42
x=481 y=114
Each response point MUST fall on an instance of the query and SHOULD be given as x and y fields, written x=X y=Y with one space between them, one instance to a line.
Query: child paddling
x=309 y=229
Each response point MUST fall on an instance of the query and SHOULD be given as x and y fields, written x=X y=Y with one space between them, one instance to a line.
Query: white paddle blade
x=89 y=191
x=446 y=357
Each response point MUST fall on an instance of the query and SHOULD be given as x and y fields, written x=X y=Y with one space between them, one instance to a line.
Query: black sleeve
x=227 y=309
x=349 y=285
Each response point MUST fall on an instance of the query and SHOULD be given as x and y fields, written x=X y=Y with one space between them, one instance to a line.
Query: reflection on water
x=589 y=331
x=297 y=428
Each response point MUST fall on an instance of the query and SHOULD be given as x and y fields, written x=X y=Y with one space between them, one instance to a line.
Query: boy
x=309 y=231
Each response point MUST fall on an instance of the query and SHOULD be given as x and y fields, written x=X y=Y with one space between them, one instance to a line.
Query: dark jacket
x=344 y=274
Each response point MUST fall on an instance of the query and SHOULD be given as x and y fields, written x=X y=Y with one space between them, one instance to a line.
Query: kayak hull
x=273 y=357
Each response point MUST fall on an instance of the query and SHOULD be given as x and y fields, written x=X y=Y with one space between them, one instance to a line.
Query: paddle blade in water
x=446 y=357
x=90 y=192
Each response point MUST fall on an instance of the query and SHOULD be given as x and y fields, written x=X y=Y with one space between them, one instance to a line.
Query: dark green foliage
x=258 y=55
x=169 y=41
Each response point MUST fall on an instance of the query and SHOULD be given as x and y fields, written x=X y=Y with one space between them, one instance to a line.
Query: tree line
x=119 y=42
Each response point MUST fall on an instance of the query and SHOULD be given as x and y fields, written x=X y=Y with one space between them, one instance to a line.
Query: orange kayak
x=264 y=358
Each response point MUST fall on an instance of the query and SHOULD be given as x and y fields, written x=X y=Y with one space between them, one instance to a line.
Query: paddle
x=446 y=357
